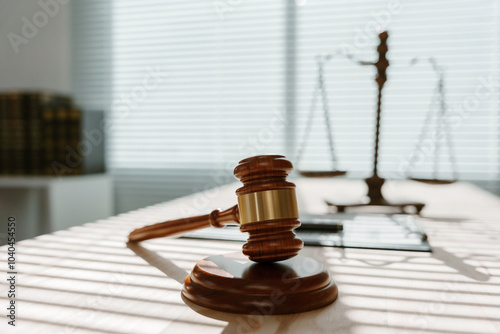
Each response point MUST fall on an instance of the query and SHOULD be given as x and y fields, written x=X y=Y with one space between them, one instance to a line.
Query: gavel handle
x=216 y=218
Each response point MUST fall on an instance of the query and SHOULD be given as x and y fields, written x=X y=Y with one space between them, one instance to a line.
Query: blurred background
x=111 y=106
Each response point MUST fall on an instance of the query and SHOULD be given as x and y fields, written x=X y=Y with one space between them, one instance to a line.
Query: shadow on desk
x=361 y=275
x=239 y=323
x=164 y=265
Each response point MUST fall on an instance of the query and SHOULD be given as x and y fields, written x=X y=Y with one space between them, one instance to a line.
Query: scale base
x=232 y=283
x=376 y=198
x=401 y=206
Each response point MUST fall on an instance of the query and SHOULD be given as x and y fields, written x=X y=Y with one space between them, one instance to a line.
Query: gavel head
x=268 y=208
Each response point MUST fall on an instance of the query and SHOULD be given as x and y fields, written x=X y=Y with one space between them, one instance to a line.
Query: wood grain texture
x=233 y=283
x=86 y=280
x=264 y=172
x=270 y=238
x=216 y=218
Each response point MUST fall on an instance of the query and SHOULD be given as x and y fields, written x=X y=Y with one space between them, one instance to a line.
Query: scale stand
x=375 y=182
x=442 y=130
x=376 y=198
x=320 y=89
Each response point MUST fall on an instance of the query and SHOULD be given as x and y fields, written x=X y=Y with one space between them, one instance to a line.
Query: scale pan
x=318 y=173
x=433 y=181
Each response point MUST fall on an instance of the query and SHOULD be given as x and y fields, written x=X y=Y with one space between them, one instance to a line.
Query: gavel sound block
x=271 y=279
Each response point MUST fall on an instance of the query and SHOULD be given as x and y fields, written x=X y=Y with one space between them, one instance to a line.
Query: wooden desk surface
x=86 y=279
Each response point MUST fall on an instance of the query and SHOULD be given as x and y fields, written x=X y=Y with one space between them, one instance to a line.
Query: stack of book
x=37 y=132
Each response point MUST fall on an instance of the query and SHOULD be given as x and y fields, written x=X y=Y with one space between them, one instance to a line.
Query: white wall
x=44 y=56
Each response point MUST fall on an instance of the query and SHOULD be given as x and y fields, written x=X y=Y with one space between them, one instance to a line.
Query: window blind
x=462 y=36
x=191 y=87
x=220 y=98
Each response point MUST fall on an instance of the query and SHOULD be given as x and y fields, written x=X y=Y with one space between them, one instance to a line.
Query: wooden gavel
x=266 y=209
